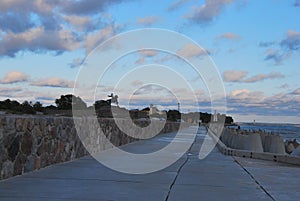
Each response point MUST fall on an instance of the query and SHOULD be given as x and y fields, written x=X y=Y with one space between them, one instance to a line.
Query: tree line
x=102 y=108
x=65 y=102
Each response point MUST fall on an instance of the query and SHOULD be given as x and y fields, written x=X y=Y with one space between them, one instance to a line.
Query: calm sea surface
x=287 y=131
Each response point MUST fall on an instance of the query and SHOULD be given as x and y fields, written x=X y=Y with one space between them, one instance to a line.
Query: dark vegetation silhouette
x=66 y=102
x=103 y=109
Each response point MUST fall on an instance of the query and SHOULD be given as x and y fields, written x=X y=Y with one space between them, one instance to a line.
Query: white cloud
x=9 y=92
x=276 y=55
x=177 y=4
x=240 y=76
x=97 y=37
x=261 y=77
x=229 y=36
x=86 y=7
x=76 y=63
x=285 y=86
x=296 y=92
x=58 y=25
x=266 y=44
x=145 y=54
x=292 y=41
x=38 y=39
x=234 y=75
x=245 y=102
x=208 y=11
x=148 y=53
x=147 y=21
x=53 y=82
x=245 y=95
x=136 y=83
x=191 y=50
x=79 y=22
x=287 y=47
x=140 y=61
x=14 y=77
x=39 y=6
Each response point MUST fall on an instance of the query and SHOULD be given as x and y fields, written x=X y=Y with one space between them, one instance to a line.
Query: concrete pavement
x=217 y=177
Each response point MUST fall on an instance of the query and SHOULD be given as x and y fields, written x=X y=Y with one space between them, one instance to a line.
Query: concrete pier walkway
x=216 y=177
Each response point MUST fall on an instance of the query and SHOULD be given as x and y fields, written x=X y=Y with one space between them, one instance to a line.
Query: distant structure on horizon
x=153 y=110
x=215 y=116
x=114 y=98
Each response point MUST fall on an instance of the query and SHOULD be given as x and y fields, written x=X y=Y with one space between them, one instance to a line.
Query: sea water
x=287 y=131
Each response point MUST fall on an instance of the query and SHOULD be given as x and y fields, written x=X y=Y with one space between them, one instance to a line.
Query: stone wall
x=29 y=143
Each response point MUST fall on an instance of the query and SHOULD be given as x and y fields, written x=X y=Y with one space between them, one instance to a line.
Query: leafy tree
x=228 y=120
x=38 y=106
x=51 y=107
x=103 y=108
x=65 y=102
x=14 y=104
x=5 y=104
x=102 y=103
x=173 y=115
x=27 y=108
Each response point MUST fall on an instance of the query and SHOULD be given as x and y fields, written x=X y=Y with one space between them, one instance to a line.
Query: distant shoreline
x=266 y=123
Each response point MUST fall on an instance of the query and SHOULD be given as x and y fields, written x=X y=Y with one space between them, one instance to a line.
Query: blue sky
x=255 y=46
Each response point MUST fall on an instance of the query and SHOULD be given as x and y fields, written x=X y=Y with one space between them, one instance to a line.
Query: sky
x=254 y=45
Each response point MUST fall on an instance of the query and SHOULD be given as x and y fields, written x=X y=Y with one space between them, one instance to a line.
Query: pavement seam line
x=179 y=169
x=177 y=173
x=257 y=182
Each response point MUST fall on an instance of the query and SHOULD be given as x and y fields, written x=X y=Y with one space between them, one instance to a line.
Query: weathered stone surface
x=289 y=148
x=1 y=134
x=43 y=124
x=13 y=149
x=29 y=164
x=40 y=148
x=53 y=132
x=3 y=122
x=296 y=152
x=37 y=163
x=3 y=154
x=44 y=158
x=7 y=169
x=291 y=145
x=19 y=164
x=30 y=123
x=36 y=131
x=53 y=147
x=37 y=121
x=19 y=124
x=26 y=143
x=30 y=142
x=295 y=143
x=10 y=123
x=8 y=138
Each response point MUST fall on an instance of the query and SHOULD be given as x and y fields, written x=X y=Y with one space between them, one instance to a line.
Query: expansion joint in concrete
x=178 y=171
x=257 y=182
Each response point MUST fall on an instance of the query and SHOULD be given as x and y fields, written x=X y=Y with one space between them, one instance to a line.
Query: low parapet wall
x=282 y=158
x=29 y=143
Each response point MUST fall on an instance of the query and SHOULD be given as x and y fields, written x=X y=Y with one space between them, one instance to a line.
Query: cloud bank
x=240 y=76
